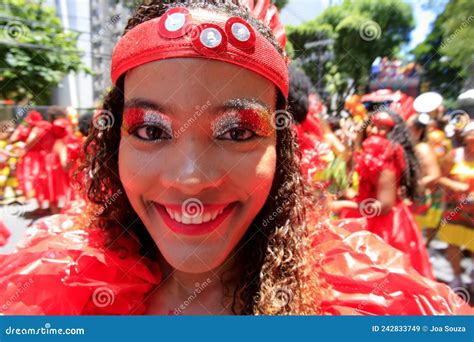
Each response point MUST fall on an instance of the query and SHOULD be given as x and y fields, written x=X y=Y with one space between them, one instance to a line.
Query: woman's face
x=379 y=130
x=197 y=155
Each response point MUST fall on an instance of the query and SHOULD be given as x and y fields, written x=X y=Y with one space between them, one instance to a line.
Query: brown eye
x=237 y=134
x=151 y=132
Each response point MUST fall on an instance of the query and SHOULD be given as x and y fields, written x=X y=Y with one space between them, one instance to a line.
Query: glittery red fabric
x=144 y=44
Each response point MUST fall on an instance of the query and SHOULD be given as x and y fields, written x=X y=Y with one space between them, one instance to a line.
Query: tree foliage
x=442 y=75
x=362 y=30
x=35 y=51
x=457 y=26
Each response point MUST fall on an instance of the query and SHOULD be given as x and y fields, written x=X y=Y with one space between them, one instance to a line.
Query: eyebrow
x=228 y=105
x=244 y=104
x=143 y=103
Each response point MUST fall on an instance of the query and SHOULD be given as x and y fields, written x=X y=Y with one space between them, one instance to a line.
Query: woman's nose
x=192 y=167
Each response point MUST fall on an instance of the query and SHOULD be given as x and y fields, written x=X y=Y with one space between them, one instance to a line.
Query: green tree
x=35 y=51
x=442 y=75
x=457 y=26
x=362 y=30
x=280 y=3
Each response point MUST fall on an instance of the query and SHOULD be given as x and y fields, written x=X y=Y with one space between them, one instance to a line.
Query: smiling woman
x=215 y=219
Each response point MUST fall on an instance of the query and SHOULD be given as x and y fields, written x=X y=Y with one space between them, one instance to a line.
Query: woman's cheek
x=256 y=171
x=133 y=168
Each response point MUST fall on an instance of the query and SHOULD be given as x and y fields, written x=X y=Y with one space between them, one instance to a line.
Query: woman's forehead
x=196 y=80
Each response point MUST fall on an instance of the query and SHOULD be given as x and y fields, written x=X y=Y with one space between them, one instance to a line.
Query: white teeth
x=196 y=220
x=182 y=218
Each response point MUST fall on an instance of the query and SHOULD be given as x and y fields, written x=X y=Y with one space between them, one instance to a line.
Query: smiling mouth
x=206 y=219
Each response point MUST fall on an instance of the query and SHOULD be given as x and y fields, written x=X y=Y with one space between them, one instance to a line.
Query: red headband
x=383 y=118
x=179 y=33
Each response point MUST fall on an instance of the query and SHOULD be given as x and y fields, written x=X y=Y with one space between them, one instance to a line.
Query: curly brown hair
x=274 y=275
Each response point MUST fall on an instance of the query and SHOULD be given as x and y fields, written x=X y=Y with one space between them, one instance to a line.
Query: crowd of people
x=312 y=214
x=38 y=158
x=407 y=174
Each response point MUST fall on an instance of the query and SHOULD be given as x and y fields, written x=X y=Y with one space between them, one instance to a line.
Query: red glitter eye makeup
x=135 y=117
x=259 y=121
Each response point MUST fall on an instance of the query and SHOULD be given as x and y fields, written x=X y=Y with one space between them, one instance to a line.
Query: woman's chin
x=194 y=264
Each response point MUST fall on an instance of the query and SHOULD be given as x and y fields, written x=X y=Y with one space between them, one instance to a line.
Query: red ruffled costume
x=398 y=228
x=310 y=141
x=62 y=269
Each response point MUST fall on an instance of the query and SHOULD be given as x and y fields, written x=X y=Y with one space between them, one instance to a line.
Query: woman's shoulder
x=363 y=275
x=63 y=268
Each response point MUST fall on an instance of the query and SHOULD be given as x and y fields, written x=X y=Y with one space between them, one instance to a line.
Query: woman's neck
x=184 y=293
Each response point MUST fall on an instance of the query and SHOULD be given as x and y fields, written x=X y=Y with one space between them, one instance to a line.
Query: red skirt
x=399 y=229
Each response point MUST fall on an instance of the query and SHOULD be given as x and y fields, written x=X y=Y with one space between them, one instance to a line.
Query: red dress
x=58 y=177
x=38 y=160
x=64 y=269
x=398 y=228
x=25 y=165
x=22 y=167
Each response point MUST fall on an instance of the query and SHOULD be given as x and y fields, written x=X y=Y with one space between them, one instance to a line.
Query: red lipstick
x=201 y=221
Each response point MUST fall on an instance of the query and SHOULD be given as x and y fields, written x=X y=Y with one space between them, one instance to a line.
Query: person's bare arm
x=60 y=148
x=337 y=206
x=429 y=165
x=33 y=138
x=387 y=191
x=453 y=185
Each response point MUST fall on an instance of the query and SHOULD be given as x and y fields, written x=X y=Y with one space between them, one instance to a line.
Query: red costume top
x=63 y=269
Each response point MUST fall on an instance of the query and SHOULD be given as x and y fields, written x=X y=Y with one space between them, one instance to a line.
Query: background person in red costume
x=322 y=153
x=217 y=208
x=388 y=171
